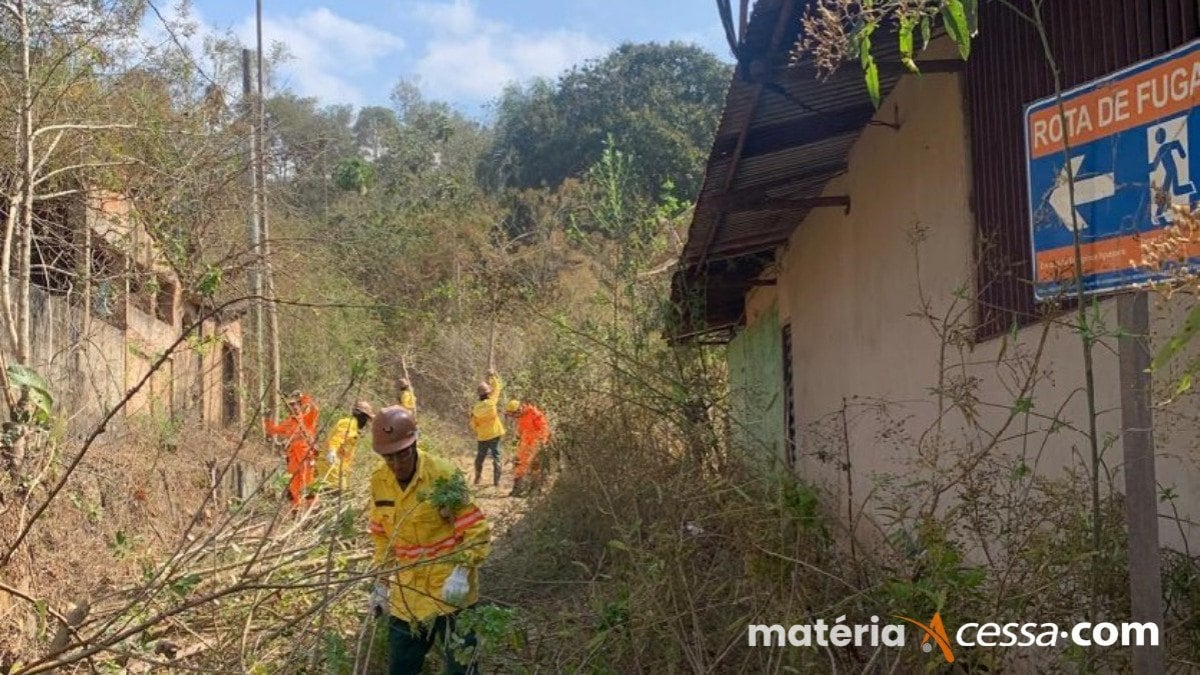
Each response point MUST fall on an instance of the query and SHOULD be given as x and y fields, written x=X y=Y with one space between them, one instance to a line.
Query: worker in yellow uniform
x=333 y=465
x=486 y=423
x=428 y=555
x=405 y=396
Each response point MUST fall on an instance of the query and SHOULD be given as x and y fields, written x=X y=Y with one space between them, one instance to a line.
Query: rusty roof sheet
x=784 y=133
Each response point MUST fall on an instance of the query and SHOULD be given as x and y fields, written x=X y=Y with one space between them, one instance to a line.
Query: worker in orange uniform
x=334 y=465
x=532 y=431
x=486 y=423
x=405 y=395
x=300 y=430
x=428 y=555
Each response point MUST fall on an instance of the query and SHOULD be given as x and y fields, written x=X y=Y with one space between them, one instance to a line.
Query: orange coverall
x=532 y=429
x=300 y=429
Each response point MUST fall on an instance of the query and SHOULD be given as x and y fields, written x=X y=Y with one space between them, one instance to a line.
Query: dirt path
x=503 y=511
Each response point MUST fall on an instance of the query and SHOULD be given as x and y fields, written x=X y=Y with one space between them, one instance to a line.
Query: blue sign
x=1130 y=151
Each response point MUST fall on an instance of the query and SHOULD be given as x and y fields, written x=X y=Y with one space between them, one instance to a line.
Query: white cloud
x=470 y=57
x=328 y=52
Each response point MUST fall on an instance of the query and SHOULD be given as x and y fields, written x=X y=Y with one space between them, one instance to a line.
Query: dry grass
x=636 y=561
x=123 y=509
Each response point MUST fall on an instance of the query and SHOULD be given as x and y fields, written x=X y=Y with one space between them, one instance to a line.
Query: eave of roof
x=784 y=134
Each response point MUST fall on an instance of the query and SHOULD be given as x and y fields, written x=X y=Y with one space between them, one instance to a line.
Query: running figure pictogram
x=1166 y=157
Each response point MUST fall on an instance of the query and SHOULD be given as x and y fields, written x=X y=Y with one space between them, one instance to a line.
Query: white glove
x=457 y=585
x=331 y=458
x=379 y=604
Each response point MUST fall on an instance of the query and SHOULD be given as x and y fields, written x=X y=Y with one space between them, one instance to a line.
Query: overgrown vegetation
x=405 y=238
x=674 y=542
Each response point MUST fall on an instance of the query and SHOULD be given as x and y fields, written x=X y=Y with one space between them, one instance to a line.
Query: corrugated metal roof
x=783 y=133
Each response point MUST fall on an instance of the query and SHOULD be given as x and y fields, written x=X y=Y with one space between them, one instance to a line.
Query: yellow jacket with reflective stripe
x=417 y=546
x=485 y=418
x=408 y=400
x=343 y=441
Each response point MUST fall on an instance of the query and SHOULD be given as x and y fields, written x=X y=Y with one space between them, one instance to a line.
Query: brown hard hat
x=363 y=407
x=393 y=430
x=484 y=389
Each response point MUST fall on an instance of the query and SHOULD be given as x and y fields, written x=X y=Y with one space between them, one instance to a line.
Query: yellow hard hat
x=513 y=406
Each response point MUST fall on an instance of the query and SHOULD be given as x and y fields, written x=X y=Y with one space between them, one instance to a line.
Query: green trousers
x=408 y=646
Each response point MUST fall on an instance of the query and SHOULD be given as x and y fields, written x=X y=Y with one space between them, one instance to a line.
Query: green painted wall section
x=755 y=359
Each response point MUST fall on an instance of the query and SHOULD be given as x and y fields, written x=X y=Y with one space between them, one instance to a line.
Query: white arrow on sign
x=1087 y=190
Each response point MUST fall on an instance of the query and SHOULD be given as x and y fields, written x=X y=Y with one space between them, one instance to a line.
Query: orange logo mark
x=936 y=632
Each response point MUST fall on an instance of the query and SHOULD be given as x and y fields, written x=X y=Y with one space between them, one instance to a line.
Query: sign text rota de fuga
x=1130 y=137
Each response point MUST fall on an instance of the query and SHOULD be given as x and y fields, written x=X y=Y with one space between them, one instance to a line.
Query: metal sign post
x=1141 y=490
x=1124 y=142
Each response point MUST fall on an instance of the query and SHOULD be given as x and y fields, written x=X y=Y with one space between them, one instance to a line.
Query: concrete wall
x=90 y=364
x=851 y=284
x=91 y=360
x=85 y=368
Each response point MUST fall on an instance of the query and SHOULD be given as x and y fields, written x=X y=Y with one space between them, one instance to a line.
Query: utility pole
x=264 y=224
x=254 y=234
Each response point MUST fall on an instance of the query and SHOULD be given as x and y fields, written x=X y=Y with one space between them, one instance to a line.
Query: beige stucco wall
x=760 y=301
x=848 y=284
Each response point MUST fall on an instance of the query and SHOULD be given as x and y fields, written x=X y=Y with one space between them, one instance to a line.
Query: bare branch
x=81 y=127
x=79 y=167
x=58 y=616
x=49 y=153
x=55 y=195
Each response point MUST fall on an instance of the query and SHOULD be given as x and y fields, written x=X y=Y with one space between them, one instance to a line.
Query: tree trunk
x=19 y=310
x=24 y=310
x=6 y=273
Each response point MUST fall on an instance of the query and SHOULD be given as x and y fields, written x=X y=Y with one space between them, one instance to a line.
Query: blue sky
x=461 y=51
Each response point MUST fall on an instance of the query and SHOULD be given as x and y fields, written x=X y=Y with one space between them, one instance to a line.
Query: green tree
x=375 y=130
x=659 y=102
x=306 y=143
x=354 y=175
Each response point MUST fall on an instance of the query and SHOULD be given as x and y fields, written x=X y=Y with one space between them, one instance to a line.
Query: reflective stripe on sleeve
x=467 y=519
